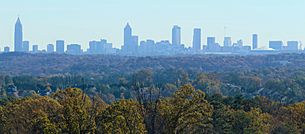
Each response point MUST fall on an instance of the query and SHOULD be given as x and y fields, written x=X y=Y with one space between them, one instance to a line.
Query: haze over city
x=44 y=22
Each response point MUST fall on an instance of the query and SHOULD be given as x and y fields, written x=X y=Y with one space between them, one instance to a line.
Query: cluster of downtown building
x=132 y=46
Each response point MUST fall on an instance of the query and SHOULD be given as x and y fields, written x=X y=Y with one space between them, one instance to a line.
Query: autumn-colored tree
x=1 y=118
x=154 y=109
x=22 y=116
x=122 y=117
x=260 y=122
x=186 y=111
x=76 y=111
x=43 y=125
x=294 y=115
x=252 y=122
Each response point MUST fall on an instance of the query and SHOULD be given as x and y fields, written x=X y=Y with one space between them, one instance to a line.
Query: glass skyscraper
x=176 y=35
x=254 y=41
x=197 y=39
x=18 y=40
x=60 y=46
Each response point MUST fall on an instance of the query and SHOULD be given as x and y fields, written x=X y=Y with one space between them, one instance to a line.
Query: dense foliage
x=278 y=85
x=187 y=111
x=278 y=77
x=186 y=94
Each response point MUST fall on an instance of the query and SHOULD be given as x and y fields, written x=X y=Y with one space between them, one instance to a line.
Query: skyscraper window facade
x=176 y=35
x=197 y=39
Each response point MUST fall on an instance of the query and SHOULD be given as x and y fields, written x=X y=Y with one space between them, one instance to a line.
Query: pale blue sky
x=78 y=21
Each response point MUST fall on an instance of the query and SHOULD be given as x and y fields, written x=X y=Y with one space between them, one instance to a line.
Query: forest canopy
x=184 y=94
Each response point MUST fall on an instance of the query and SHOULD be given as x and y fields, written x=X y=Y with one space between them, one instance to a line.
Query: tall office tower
x=130 y=42
x=135 y=43
x=93 y=47
x=176 y=35
x=26 y=46
x=6 y=49
x=127 y=36
x=35 y=49
x=60 y=46
x=50 y=48
x=211 y=41
x=227 y=42
x=18 y=36
x=197 y=39
x=254 y=41
x=135 y=40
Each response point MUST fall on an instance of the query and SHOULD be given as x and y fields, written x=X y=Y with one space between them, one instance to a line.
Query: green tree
x=43 y=125
x=122 y=117
x=222 y=119
x=207 y=83
x=294 y=115
x=21 y=116
x=252 y=122
x=260 y=122
x=186 y=111
x=76 y=111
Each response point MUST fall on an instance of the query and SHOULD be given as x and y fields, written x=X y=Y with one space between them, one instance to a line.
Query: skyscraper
x=254 y=41
x=60 y=46
x=18 y=36
x=130 y=42
x=227 y=42
x=35 y=49
x=197 y=39
x=211 y=41
x=26 y=46
x=212 y=45
x=176 y=35
x=50 y=48
x=127 y=35
x=135 y=41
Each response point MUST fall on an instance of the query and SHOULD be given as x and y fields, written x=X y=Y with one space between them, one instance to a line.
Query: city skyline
x=132 y=43
x=132 y=46
x=47 y=21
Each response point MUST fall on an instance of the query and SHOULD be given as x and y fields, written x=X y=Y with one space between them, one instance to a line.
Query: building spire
x=18 y=36
x=127 y=25
x=18 y=20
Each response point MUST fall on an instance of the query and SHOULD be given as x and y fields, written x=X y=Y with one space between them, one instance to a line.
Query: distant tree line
x=278 y=85
x=17 y=64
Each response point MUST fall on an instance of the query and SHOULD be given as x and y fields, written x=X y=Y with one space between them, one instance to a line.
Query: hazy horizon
x=81 y=21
